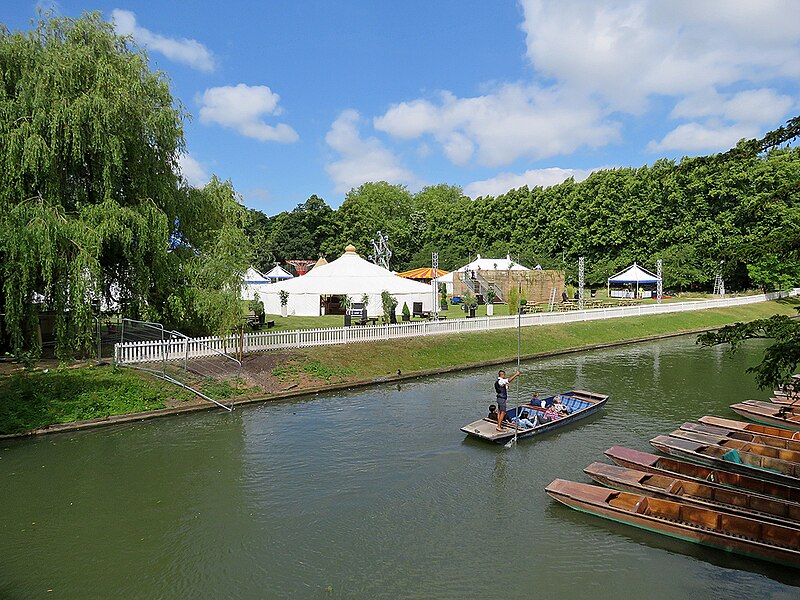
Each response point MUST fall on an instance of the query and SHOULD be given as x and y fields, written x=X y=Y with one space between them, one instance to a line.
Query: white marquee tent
x=253 y=283
x=632 y=275
x=348 y=275
x=482 y=264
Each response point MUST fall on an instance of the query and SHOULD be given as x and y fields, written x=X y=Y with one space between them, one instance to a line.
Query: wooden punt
x=733 y=533
x=743 y=436
x=756 y=428
x=695 y=492
x=746 y=463
x=786 y=401
x=672 y=467
x=768 y=413
x=738 y=445
x=581 y=402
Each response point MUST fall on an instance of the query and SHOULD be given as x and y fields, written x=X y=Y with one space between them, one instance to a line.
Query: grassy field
x=453 y=311
x=33 y=399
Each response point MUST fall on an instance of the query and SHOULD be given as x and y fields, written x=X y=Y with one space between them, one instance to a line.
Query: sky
x=292 y=99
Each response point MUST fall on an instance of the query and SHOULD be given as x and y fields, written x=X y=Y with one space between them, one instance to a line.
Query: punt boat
x=743 y=436
x=717 y=529
x=580 y=402
x=746 y=463
x=694 y=492
x=756 y=428
x=672 y=467
x=769 y=414
x=739 y=445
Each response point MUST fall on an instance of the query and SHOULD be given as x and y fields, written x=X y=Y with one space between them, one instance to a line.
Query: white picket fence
x=188 y=348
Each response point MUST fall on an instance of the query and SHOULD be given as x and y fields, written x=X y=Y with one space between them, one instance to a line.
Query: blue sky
x=290 y=99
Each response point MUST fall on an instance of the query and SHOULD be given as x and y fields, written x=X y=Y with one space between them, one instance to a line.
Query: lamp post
x=434 y=281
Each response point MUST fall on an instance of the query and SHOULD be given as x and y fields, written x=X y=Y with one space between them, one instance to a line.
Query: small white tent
x=348 y=275
x=253 y=283
x=632 y=275
x=279 y=274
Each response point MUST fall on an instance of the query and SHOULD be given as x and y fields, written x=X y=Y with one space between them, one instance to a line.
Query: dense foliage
x=731 y=213
x=92 y=210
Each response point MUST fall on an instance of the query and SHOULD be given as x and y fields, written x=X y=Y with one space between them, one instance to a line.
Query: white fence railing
x=187 y=348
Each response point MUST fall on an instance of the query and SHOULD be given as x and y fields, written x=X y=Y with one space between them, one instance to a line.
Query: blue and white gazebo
x=632 y=275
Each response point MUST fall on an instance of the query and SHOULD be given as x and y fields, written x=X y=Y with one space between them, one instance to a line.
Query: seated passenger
x=492 y=413
x=550 y=415
x=524 y=420
x=559 y=405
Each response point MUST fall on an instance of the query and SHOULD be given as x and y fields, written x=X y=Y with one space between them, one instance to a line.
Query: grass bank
x=35 y=399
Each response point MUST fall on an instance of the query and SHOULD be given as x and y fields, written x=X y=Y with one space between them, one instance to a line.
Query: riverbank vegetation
x=37 y=398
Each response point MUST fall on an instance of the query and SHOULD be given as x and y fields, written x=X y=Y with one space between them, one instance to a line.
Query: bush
x=406 y=312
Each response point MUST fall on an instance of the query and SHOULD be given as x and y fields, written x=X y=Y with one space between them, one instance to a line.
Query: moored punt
x=743 y=436
x=703 y=494
x=746 y=463
x=580 y=402
x=672 y=467
x=785 y=400
x=768 y=413
x=738 y=445
x=749 y=427
x=734 y=533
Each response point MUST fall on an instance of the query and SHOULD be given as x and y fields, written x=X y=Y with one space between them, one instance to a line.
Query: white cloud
x=504 y=182
x=242 y=109
x=192 y=171
x=362 y=160
x=512 y=122
x=187 y=51
x=623 y=52
x=697 y=137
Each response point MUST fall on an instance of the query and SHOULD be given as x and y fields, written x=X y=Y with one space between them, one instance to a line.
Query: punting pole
x=519 y=352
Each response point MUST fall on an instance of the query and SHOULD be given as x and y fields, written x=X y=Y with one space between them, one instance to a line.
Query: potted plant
x=470 y=304
x=389 y=304
x=406 y=312
x=442 y=296
x=344 y=302
x=491 y=296
x=284 y=296
x=365 y=302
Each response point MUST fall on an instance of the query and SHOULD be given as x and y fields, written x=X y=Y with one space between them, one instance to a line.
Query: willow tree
x=90 y=202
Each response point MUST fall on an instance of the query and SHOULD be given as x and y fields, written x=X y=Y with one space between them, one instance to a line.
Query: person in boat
x=493 y=414
x=550 y=415
x=501 y=390
x=559 y=405
x=525 y=421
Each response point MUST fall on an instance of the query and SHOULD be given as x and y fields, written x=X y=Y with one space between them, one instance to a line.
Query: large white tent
x=482 y=264
x=253 y=283
x=632 y=275
x=348 y=275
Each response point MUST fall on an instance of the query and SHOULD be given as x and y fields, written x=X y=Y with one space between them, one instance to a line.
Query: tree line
x=733 y=215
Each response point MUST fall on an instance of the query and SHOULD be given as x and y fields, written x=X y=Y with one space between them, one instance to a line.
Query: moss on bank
x=30 y=400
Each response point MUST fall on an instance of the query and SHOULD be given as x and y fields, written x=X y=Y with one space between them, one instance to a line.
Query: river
x=370 y=493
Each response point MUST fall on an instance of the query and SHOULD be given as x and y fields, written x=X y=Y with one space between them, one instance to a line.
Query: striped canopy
x=422 y=273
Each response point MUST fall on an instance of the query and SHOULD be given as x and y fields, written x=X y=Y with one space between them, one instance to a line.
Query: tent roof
x=320 y=261
x=493 y=264
x=253 y=276
x=352 y=275
x=279 y=273
x=634 y=274
x=422 y=273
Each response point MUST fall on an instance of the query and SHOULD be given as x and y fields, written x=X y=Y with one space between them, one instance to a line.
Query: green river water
x=370 y=493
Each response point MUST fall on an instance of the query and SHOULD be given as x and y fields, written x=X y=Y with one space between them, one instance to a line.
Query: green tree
x=91 y=205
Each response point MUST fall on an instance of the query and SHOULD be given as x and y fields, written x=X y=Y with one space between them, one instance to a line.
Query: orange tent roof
x=422 y=273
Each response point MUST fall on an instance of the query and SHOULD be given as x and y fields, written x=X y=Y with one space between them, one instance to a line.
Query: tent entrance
x=331 y=305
